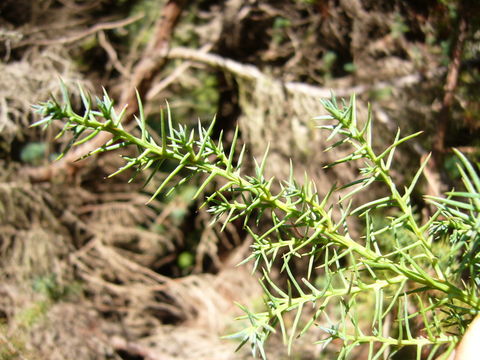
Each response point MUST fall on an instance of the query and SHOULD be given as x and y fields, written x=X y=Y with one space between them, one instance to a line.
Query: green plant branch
x=302 y=225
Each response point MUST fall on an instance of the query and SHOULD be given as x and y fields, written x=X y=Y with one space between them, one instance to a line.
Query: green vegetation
x=401 y=286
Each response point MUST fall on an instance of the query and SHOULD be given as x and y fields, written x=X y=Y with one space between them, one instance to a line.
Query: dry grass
x=105 y=249
x=79 y=270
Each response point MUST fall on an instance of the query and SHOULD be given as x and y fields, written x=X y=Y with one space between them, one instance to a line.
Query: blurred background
x=88 y=271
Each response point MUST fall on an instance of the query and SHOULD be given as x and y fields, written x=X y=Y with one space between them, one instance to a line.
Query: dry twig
x=82 y=34
x=152 y=61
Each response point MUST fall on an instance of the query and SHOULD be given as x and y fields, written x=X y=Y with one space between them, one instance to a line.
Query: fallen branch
x=112 y=54
x=152 y=61
x=155 y=57
x=451 y=82
x=251 y=72
x=83 y=34
x=179 y=70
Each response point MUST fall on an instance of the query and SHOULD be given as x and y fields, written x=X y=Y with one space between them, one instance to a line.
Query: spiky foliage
x=399 y=286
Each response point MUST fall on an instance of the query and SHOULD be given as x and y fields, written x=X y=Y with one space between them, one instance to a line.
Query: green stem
x=374 y=260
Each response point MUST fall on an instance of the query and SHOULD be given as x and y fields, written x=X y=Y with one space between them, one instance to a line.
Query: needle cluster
x=403 y=284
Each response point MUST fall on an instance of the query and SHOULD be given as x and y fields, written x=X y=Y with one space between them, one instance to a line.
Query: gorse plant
x=404 y=286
